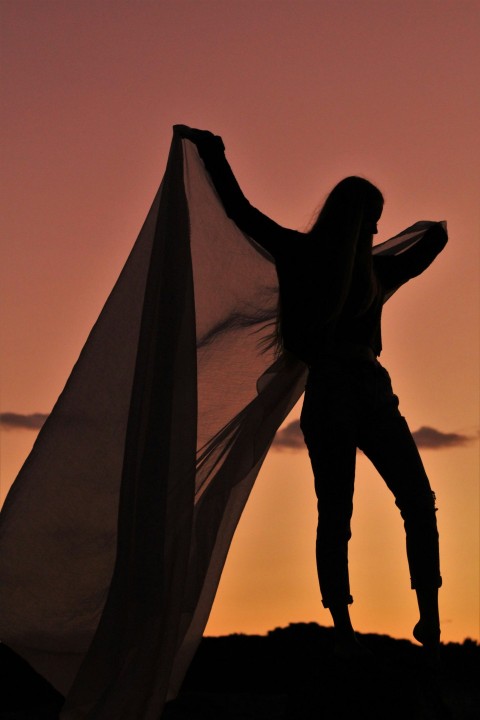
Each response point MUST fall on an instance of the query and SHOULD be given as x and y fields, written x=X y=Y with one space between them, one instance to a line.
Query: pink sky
x=303 y=93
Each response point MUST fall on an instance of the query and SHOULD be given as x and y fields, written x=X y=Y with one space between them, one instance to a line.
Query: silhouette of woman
x=332 y=289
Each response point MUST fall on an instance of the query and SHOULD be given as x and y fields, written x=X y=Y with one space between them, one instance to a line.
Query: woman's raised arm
x=395 y=270
x=251 y=221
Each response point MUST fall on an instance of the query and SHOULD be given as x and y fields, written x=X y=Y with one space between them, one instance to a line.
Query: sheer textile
x=115 y=533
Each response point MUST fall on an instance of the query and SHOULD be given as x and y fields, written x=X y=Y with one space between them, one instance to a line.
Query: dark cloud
x=428 y=437
x=291 y=438
x=15 y=421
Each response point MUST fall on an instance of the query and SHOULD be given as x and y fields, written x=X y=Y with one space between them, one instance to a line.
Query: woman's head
x=355 y=202
x=349 y=219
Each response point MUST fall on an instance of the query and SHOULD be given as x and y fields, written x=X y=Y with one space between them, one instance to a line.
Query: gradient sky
x=303 y=94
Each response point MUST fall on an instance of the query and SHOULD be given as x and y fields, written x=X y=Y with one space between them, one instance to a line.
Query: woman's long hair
x=352 y=207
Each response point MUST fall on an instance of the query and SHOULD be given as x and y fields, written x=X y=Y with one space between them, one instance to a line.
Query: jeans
x=349 y=403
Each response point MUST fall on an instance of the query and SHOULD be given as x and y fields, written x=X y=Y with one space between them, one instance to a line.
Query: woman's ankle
x=341 y=621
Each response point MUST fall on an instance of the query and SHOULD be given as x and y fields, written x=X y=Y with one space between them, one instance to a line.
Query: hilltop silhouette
x=291 y=674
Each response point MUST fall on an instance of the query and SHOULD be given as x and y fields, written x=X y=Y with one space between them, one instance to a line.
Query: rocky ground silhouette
x=291 y=674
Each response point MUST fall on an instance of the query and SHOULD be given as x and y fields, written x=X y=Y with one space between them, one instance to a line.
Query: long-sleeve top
x=314 y=315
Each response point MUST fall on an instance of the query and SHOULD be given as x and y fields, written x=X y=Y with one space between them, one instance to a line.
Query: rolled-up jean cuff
x=337 y=601
x=436 y=583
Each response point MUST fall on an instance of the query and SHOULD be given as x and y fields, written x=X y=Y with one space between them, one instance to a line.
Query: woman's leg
x=387 y=441
x=329 y=428
x=330 y=438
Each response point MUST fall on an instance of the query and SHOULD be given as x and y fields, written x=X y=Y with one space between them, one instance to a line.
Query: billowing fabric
x=115 y=533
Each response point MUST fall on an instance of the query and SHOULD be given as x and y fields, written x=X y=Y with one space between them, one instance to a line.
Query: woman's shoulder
x=293 y=243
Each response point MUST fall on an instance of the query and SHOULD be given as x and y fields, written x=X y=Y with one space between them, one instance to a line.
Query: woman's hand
x=204 y=139
x=437 y=235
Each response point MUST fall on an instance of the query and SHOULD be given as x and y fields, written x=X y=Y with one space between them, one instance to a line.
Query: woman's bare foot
x=428 y=636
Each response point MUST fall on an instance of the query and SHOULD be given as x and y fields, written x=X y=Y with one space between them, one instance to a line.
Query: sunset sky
x=303 y=93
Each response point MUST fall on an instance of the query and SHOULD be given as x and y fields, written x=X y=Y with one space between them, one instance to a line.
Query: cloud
x=428 y=437
x=15 y=421
x=291 y=438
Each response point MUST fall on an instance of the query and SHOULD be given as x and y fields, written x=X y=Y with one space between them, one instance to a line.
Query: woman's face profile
x=370 y=224
x=369 y=227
